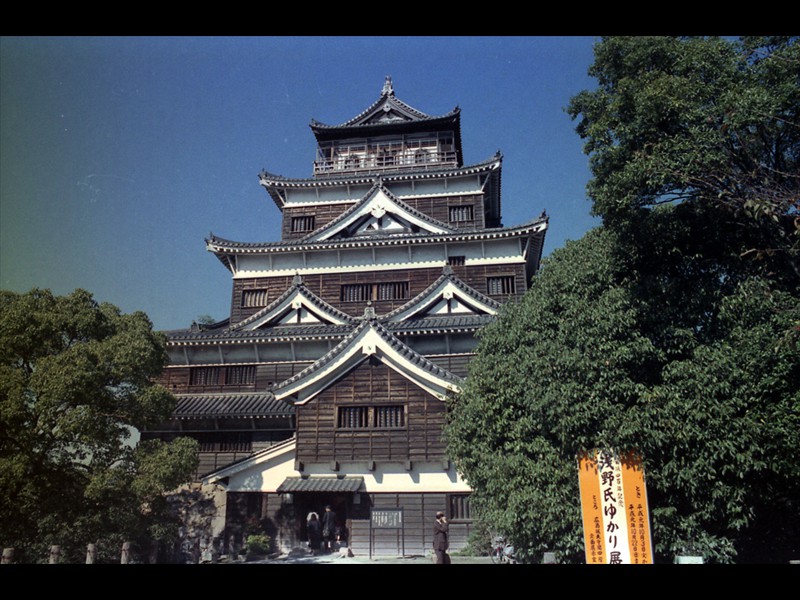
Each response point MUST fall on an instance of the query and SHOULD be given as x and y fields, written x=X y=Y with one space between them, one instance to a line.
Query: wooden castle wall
x=371 y=384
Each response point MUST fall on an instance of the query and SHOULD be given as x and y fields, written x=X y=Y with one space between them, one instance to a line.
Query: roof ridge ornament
x=387 y=90
x=297 y=279
x=369 y=312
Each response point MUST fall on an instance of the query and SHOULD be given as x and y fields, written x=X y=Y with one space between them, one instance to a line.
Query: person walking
x=440 y=541
x=313 y=532
x=328 y=529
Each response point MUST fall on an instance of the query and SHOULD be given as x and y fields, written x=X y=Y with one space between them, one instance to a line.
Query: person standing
x=440 y=541
x=328 y=528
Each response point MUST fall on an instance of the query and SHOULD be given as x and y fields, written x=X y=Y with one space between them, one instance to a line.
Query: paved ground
x=365 y=560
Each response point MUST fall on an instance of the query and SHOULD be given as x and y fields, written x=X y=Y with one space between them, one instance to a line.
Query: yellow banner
x=616 y=519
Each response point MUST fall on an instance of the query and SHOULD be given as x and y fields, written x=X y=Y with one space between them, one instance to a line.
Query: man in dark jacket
x=440 y=543
x=328 y=529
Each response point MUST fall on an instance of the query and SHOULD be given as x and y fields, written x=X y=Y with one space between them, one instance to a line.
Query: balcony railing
x=383 y=162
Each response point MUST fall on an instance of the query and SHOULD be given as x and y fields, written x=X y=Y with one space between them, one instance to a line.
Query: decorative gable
x=297 y=306
x=448 y=296
x=378 y=213
x=369 y=341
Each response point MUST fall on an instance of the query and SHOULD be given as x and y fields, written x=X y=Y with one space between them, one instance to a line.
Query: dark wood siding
x=322 y=214
x=370 y=384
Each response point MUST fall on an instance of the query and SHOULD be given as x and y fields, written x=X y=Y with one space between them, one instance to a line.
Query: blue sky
x=118 y=156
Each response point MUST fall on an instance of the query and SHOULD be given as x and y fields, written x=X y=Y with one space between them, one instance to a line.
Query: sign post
x=616 y=518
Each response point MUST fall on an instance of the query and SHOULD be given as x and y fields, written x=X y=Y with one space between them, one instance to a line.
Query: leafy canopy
x=76 y=382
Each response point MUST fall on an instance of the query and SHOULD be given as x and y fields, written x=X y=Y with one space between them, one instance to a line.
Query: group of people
x=323 y=532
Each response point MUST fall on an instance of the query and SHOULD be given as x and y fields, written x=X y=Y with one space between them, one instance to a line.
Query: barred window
x=353 y=417
x=461 y=213
x=302 y=224
x=456 y=261
x=363 y=292
x=234 y=375
x=500 y=285
x=376 y=417
x=459 y=507
x=356 y=292
x=392 y=291
x=390 y=416
x=240 y=375
x=204 y=376
x=253 y=298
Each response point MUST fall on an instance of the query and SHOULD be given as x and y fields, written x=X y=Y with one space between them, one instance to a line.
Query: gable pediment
x=448 y=296
x=369 y=341
x=297 y=306
x=378 y=213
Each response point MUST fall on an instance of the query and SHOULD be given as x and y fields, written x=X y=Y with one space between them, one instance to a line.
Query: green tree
x=76 y=383
x=698 y=119
x=579 y=363
x=660 y=331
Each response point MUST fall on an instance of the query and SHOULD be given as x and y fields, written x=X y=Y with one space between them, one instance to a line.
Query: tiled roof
x=320 y=483
x=256 y=405
x=440 y=324
x=220 y=246
x=277 y=333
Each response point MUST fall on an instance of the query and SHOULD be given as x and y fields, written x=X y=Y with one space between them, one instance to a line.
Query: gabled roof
x=221 y=247
x=386 y=115
x=295 y=307
x=378 y=212
x=446 y=297
x=369 y=340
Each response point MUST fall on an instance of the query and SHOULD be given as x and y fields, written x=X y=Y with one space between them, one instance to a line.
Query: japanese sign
x=616 y=520
x=387 y=519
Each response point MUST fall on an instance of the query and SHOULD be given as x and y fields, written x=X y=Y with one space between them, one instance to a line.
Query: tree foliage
x=660 y=331
x=698 y=119
x=76 y=382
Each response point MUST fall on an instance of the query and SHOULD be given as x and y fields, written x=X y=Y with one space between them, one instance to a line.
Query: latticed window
x=204 y=376
x=500 y=285
x=302 y=224
x=356 y=292
x=392 y=291
x=353 y=417
x=459 y=507
x=456 y=261
x=461 y=213
x=371 y=417
x=253 y=298
x=240 y=375
x=390 y=416
x=363 y=292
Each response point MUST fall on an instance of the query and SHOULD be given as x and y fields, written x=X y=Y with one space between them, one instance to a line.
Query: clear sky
x=118 y=156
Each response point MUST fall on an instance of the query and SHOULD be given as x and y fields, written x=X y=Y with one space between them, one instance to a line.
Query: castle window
x=253 y=298
x=364 y=292
x=240 y=375
x=500 y=285
x=371 y=417
x=353 y=417
x=459 y=507
x=389 y=416
x=204 y=376
x=461 y=213
x=456 y=261
x=303 y=224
